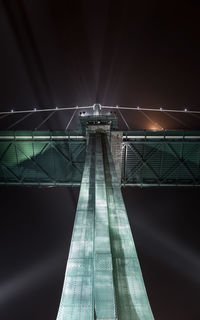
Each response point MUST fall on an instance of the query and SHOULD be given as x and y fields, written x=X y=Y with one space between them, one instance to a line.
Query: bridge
x=103 y=278
x=145 y=158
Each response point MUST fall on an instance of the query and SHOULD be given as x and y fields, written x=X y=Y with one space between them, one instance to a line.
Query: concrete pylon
x=103 y=278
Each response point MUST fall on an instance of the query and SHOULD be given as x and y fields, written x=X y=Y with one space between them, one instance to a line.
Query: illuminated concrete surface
x=103 y=278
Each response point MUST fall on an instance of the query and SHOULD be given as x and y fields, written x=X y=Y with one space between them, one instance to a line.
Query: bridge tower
x=103 y=278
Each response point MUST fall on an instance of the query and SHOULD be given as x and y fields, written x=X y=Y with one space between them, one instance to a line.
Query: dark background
x=64 y=53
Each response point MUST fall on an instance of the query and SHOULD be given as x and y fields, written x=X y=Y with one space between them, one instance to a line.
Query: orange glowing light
x=156 y=128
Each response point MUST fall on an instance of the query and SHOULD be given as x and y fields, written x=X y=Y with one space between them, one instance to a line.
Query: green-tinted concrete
x=103 y=278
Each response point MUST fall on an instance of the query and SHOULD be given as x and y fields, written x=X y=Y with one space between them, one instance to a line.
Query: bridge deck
x=38 y=158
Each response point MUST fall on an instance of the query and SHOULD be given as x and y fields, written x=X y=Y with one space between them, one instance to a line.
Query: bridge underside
x=103 y=278
x=57 y=158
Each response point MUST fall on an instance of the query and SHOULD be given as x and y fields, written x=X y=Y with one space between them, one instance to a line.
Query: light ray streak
x=148 y=118
x=195 y=115
x=176 y=119
x=45 y=120
x=123 y=119
x=20 y=120
x=4 y=116
x=177 y=255
x=27 y=279
x=71 y=119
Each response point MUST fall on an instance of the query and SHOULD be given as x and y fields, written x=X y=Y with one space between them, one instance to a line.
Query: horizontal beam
x=42 y=184
x=149 y=185
x=152 y=109
x=77 y=137
x=137 y=108
x=45 y=137
x=160 y=137
x=77 y=184
x=35 y=110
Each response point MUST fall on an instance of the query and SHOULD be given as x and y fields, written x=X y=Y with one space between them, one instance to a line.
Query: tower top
x=96 y=109
x=98 y=120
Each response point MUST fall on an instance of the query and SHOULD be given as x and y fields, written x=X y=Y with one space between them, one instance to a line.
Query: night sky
x=67 y=53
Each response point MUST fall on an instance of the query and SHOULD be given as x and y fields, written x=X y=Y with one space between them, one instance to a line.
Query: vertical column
x=103 y=278
x=77 y=301
x=131 y=297
x=103 y=270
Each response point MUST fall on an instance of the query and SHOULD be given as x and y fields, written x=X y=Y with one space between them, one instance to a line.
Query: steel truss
x=29 y=160
x=57 y=158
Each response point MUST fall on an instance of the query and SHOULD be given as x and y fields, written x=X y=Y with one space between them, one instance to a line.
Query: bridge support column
x=103 y=279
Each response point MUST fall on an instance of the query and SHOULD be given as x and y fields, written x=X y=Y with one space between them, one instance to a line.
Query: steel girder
x=57 y=158
x=42 y=160
x=161 y=163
